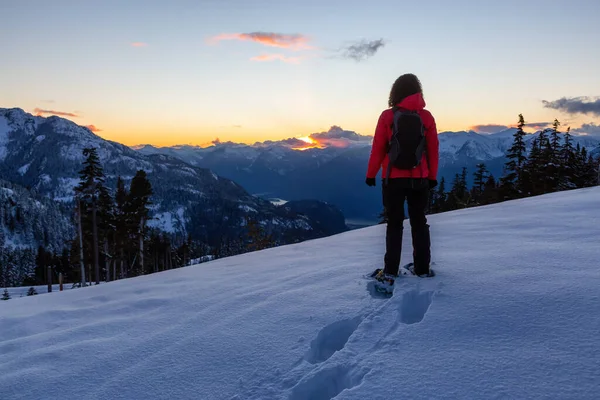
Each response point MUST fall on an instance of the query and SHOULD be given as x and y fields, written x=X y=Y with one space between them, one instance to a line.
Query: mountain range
x=44 y=155
x=335 y=173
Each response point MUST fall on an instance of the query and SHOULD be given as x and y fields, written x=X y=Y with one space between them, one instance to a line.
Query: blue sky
x=153 y=72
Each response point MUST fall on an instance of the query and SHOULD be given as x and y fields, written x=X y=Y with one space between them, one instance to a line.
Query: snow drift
x=513 y=312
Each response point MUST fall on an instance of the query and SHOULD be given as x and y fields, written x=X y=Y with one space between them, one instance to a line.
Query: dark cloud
x=591 y=129
x=575 y=105
x=362 y=50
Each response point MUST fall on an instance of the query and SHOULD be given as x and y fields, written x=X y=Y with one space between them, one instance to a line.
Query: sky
x=188 y=72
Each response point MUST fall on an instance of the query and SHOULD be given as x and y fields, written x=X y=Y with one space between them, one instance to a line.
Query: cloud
x=538 y=125
x=39 y=112
x=139 y=44
x=93 y=128
x=576 y=105
x=337 y=137
x=590 y=129
x=271 y=39
x=292 y=143
x=494 y=128
x=273 y=57
x=362 y=50
x=489 y=128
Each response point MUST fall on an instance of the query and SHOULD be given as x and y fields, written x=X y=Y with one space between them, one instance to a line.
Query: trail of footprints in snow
x=327 y=381
x=315 y=377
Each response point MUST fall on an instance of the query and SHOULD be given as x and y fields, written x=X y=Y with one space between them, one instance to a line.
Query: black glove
x=432 y=183
x=370 y=181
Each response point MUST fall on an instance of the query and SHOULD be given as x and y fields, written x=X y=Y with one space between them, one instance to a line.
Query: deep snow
x=514 y=312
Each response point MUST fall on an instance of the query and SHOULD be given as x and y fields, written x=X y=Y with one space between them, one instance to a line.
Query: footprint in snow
x=328 y=382
x=330 y=339
x=414 y=305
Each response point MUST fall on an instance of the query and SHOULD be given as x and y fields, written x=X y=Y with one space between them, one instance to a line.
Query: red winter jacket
x=383 y=134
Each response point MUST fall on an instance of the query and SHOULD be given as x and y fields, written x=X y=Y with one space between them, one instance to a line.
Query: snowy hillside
x=513 y=312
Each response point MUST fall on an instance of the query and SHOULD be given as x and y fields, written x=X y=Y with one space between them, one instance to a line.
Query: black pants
x=416 y=193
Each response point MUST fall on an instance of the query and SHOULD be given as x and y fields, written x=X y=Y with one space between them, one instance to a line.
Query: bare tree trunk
x=95 y=240
x=142 y=245
x=80 y=244
x=122 y=264
x=106 y=262
x=114 y=268
x=155 y=261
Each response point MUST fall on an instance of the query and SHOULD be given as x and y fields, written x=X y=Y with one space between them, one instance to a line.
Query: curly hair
x=404 y=86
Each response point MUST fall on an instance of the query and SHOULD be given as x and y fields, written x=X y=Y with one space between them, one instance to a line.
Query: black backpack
x=407 y=145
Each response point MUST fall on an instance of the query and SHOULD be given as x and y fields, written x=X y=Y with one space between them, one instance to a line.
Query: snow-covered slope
x=513 y=312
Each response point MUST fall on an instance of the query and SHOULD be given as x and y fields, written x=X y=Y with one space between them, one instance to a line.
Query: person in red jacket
x=412 y=186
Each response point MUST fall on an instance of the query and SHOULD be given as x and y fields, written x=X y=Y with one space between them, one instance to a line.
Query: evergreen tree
x=567 y=161
x=6 y=295
x=441 y=195
x=258 y=238
x=479 y=179
x=579 y=161
x=532 y=171
x=31 y=291
x=591 y=175
x=137 y=207
x=490 y=194
x=513 y=183
x=89 y=191
x=121 y=224
x=459 y=194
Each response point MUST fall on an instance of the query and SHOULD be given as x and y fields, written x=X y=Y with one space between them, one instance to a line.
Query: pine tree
x=459 y=195
x=137 y=205
x=590 y=173
x=106 y=227
x=441 y=198
x=121 y=223
x=31 y=291
x=532 y=170
x=89 y=191
x=490 y=194
x=567 y=161
x=546 y=164
x=555 y=166
x=6 y=295
x=512 y=183
x=479 y=179
x=258 y=238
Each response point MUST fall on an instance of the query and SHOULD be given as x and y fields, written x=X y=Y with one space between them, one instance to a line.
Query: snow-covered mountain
x=335 y=174
x=46 y=154
x=29 y=221
x=301 y=322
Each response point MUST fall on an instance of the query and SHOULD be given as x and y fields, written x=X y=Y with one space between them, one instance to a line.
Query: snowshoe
x=384 y=283
x=411 y=268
